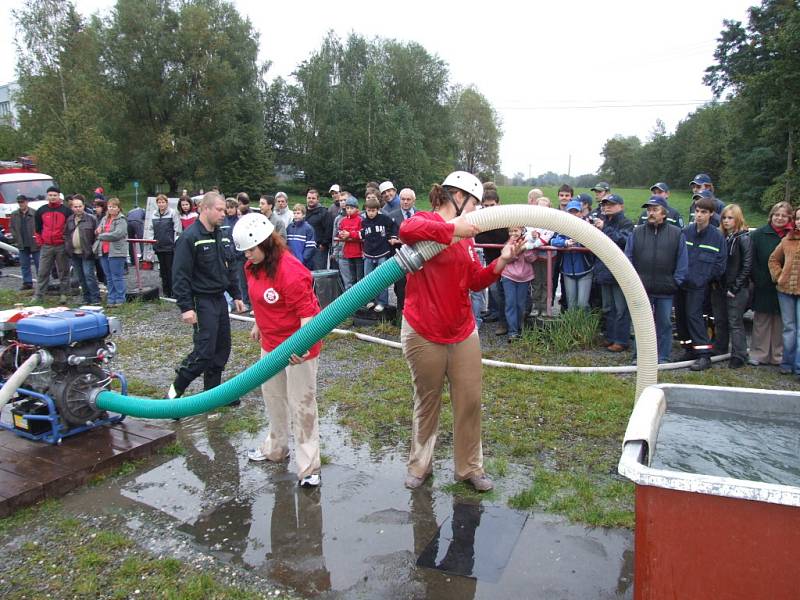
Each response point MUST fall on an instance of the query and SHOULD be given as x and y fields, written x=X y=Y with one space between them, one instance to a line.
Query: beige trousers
x=766 y=342
x=430 y=364
x=291 y=401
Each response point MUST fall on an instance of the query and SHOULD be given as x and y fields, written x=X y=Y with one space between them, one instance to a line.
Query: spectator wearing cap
x=661 y=189
x=389 y=197
x=23 y=231
x=49 y=226
x=337 y=202
x=708 y=257
x=703 y=187
x=351 y=263
x=576 y=267
x=618 y=228
x=601 y=189
x=657 y=250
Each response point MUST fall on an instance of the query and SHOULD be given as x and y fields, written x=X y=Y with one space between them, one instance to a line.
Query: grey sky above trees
x=563 y=77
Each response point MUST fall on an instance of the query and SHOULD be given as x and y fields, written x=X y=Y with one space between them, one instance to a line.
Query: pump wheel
x=72 y=391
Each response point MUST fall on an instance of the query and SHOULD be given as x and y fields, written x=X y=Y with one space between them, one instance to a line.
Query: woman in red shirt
x=282 y=292
x=438 y=333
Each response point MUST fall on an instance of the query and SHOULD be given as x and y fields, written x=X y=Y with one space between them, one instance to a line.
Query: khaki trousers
x=430 y=364
x=291 y=401
x=766 y=342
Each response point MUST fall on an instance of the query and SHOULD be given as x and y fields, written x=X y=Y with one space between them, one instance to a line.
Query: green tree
x=477 y=130
x=62 y=102
x=758 y=66
x=191 y=94
x=622 y=161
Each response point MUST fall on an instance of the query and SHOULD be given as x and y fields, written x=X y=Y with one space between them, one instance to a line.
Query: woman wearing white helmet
x=282 y=292
x=438 y=333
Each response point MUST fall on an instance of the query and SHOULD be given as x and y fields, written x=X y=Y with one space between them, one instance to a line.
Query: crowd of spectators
x=703 y=271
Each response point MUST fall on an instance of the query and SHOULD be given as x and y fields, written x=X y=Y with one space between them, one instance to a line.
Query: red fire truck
x=21 y=177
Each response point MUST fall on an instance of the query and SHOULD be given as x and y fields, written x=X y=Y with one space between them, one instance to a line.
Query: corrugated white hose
x=621 y=268
x=9 y=248
x=18 y=378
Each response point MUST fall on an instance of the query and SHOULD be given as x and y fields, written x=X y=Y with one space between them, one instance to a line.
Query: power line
x=609 y=105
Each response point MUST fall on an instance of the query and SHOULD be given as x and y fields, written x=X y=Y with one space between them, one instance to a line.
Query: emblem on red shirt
x=271 y=296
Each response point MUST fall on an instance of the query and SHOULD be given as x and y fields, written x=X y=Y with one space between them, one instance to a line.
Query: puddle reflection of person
x=296 y=558
x=226 y=524
x=282 y=294
x=460 y=556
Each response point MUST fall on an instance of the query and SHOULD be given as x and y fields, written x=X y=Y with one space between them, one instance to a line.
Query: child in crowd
x=348 y=232
x=186 y=211
x=300 y=237
x=539 y=237
x=516 y=279
x=376 y=231
x=576 y=267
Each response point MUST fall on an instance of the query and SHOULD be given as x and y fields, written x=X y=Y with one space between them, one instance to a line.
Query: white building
x=8 y=110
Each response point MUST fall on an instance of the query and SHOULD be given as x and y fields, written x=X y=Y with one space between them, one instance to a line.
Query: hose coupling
x=409 y=259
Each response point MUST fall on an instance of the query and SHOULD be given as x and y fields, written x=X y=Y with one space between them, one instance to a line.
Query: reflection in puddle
x=361 y=533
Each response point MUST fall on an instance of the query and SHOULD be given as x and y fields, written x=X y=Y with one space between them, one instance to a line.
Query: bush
x=574 y=329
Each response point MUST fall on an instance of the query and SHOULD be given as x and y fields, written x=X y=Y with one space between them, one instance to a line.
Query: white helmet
x=250 y=230
x=386 y=185
x=466 y=182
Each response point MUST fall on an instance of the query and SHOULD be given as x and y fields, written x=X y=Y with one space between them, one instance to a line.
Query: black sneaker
x=701 y=364
x=735 y=363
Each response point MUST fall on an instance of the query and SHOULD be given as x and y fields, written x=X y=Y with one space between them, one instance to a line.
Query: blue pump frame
x=57 y=431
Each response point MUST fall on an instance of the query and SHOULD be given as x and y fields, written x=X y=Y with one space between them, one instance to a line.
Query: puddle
x=361 y=533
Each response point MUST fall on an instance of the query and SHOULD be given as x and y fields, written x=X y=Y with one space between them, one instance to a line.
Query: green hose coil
x=271 y=364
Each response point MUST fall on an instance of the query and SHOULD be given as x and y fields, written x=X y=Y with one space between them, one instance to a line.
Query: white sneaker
x=312 y=480
x=379 y=308
x=370 y=305
x=256 y=455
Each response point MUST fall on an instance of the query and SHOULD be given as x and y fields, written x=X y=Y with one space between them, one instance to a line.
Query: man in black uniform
x=203 y=270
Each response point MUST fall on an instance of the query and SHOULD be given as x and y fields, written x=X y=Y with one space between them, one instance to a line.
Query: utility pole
x=569 y=166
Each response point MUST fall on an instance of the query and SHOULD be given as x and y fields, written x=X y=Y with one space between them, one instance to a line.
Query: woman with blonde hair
x=765 y=343
x=730 y=294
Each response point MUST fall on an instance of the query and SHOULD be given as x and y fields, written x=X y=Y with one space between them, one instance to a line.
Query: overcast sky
x=564 y=76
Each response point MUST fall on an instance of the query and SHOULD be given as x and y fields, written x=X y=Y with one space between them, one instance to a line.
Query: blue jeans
x=790 y=317
x=114 y=269
x=26 y=257
x=477 y=301
x=662 y=313
x=516 y=299
x=85 y=268
x=370 y=264
x=351 y=270
x=618 y=318
x=577 y=290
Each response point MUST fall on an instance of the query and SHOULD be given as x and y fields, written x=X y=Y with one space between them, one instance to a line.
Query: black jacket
x=618 y=228
x=203 y=265
x=320 y=219
x=740 y=261
x=86 y=230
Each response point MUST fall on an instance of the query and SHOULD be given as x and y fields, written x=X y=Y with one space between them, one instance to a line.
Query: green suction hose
x=274 y=362
x=408 y=260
